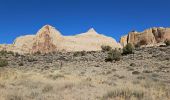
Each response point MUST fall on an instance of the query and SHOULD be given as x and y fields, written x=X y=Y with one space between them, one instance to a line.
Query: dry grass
x=144 y=91
x=19 y=85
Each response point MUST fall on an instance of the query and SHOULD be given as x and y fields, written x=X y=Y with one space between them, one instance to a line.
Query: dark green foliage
x=113 y=55
x=135 y=72
x=10 y=52
x=128 y=49
x=167 y=42
x=30 y=59
x=37 y=53
x=79 y=53
x=133 y=64
x=21 y=64
x=106 y=48
x=3 y=62
x=17 y=54
x=3 y=53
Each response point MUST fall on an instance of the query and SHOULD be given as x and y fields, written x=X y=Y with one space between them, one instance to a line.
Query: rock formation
x=149 y=37
x=48 y=39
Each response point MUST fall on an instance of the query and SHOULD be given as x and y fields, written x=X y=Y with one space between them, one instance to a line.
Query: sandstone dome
x=48 y=39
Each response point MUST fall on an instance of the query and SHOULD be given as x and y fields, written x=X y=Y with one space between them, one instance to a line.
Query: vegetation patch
x=3 y=63
x=21 y=64
x=79 y=53
x=124 y=94
x=167 y=42
x=133 y=64
x=113 y=55
x=135 y=72
x=47 y=88
x=128 y=49
x=106 y=48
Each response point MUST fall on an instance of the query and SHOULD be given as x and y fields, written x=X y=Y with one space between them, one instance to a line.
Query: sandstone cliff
x=149 y=37
x=48 y=39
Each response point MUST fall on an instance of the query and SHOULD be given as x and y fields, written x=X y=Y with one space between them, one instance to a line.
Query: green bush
x=10 y=52
x=21 y=64
x=113 y=55
x=3 y=52
x=167 y=42
x=3 y=62
x=106 y=48
x=128 y=49
x=79 y=53
x=16 y=54
x=37 y=53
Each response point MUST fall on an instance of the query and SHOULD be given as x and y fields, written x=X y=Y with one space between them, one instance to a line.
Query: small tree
x=167 y=42
x=128 y=49
x=113 y=55
x=106 y=48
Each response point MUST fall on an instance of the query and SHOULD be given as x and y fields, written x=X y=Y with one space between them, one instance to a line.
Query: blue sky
x=110 y=17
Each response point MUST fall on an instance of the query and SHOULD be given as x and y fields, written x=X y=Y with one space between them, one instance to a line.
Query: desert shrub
x=47 y=88
x=55 y=76
x=3 y=62
x=3 y=52
x=14 y=97
x=10 y=52
x=133 y=64
x=113 y=55
x=167 y=42
x=135 y=72
x=17 y=54
x=124 y=94
x=128 y=49
x=106 y=48
x=38 y=53
x=21 y=64
x=31 y=59
x=79 y=53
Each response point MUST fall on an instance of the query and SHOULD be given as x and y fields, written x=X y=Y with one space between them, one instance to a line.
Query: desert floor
x=144 y=75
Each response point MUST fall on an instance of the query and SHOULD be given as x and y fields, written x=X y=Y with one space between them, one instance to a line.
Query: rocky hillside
x=144 y=75
x=149 y=37
x=48 y=39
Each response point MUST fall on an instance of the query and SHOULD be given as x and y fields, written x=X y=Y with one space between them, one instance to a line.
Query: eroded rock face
x=48 y=39
x=45 y=40
x=150 y=37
